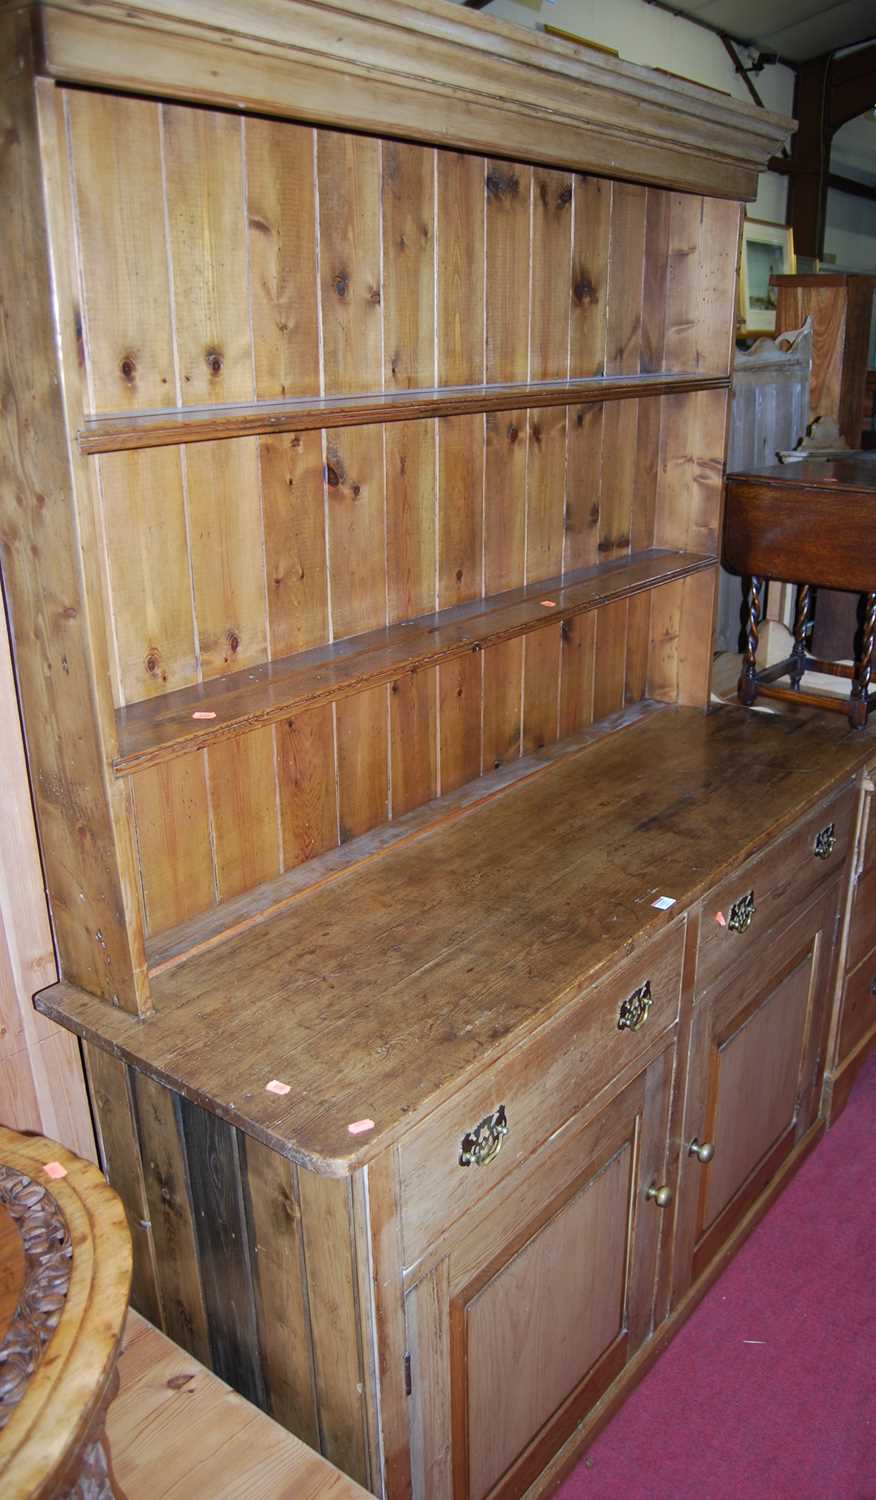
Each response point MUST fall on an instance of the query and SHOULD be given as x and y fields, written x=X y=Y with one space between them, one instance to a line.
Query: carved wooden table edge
x=58 y=1353
x=783 y=522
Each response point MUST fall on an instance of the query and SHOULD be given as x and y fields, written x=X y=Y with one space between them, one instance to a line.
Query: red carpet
x=769 y=1391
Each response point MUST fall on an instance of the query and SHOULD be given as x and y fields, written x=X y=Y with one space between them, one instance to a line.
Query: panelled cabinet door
x=521 y=1322
x=756 y=1063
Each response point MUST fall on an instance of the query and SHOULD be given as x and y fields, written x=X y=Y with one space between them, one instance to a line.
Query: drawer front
x=862 y=935
x=772 y=886
x=859 y=1006
x=539 y=1086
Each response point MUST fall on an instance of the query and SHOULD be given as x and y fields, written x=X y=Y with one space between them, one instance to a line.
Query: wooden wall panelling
x=505 y=479
x=110 y=1090
x=292 y=481
x=348 y=172
x=168 y=1194
x=680 y=653
x=244 y=811
x=590 y=253
x=175 y=840
x=550 y=304
x=47 y=509
x=115 y=147
x=460 y=578
x=413 y=704
x=460 y=194
x=408 y=190
x=307 y=777
x=718 y=253
x=227 y=555
x=226 y=1270
x=680 y=335
x=363 y=776
x=577 y=670
x=609 y=677
x=281 y=1289
x=625 y=279
x=149 y=585
x=411 y=500
x=657 y=220
x=330 y=1255
x=281 y=235
x=691 y=470
x=203 y=153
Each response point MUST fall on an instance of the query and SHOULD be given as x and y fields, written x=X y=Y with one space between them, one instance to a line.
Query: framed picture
x=767 y=250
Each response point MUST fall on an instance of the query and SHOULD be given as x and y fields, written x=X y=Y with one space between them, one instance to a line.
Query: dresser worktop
x=376 y=997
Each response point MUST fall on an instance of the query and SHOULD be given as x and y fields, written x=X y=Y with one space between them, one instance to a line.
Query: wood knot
x=583 y=291
x=535 y=431
x=128 y=368
x=502 y=185
x=374 y=295
x=342 y=284
x=565 y=196
x=459 y=575
x=332 y=477
x=214 y=362
x=233 y=640
x=153 y=661
x=357 y=490
x=513 y=433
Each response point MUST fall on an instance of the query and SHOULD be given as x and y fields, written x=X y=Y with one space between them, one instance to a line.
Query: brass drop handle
x=825 y=842
x=662 y=1196
x=480 y=1146
x=633 y=1012
x=741 y=913
x=703 y=1151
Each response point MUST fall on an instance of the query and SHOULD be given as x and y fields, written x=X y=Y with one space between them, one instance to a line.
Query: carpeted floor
x=769 y=1391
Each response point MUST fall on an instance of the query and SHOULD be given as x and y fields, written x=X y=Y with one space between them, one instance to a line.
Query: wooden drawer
x=545 y=1081
x=862 y=934
x=778 y=882
x=859 y=1006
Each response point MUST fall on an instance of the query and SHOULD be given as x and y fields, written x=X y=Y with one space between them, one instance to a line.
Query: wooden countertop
x=377 y=997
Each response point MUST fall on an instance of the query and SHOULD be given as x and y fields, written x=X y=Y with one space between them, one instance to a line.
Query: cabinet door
x=756 y=1063
x=521 y=1322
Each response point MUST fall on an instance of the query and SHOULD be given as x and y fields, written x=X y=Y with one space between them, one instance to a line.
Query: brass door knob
x=702 y=1151
x=662 y=1196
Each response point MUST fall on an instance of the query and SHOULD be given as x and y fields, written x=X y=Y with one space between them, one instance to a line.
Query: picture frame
x=766 y=250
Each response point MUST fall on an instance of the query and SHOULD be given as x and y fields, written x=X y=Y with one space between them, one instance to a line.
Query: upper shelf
x=201 y=424
x=176 y=723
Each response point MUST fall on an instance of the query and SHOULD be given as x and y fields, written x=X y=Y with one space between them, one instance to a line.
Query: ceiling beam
x=852 y=86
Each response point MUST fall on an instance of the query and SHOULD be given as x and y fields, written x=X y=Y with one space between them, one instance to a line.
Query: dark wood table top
x=857 y=472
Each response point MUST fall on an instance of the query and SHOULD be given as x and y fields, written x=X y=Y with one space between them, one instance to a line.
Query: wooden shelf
x=158 y=729
x=202 y=424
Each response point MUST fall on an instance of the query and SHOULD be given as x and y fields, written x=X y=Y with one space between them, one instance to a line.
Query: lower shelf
x=159 y=729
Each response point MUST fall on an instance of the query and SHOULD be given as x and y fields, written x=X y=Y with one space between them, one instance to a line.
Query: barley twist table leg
x=863 y=663
x=748 y=679
x=802 y=630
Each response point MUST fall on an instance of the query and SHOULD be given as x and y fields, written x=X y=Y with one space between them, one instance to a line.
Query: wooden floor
x=177 y=1432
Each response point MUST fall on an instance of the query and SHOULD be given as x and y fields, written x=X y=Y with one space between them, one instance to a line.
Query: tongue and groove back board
x=212 y=261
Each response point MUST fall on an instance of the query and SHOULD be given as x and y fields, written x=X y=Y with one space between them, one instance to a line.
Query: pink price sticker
x=54 y=1170
x=720 y=919
x=549 y=603
x=358 y=1127
x=204 y=714
x=276 y=1087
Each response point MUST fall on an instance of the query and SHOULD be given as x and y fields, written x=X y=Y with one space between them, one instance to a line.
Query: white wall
x=641 y=33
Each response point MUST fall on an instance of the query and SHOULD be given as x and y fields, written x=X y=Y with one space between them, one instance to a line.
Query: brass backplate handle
x=741 y=913
x=634 y=1010
x=479 y=1146
x=825 y=842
